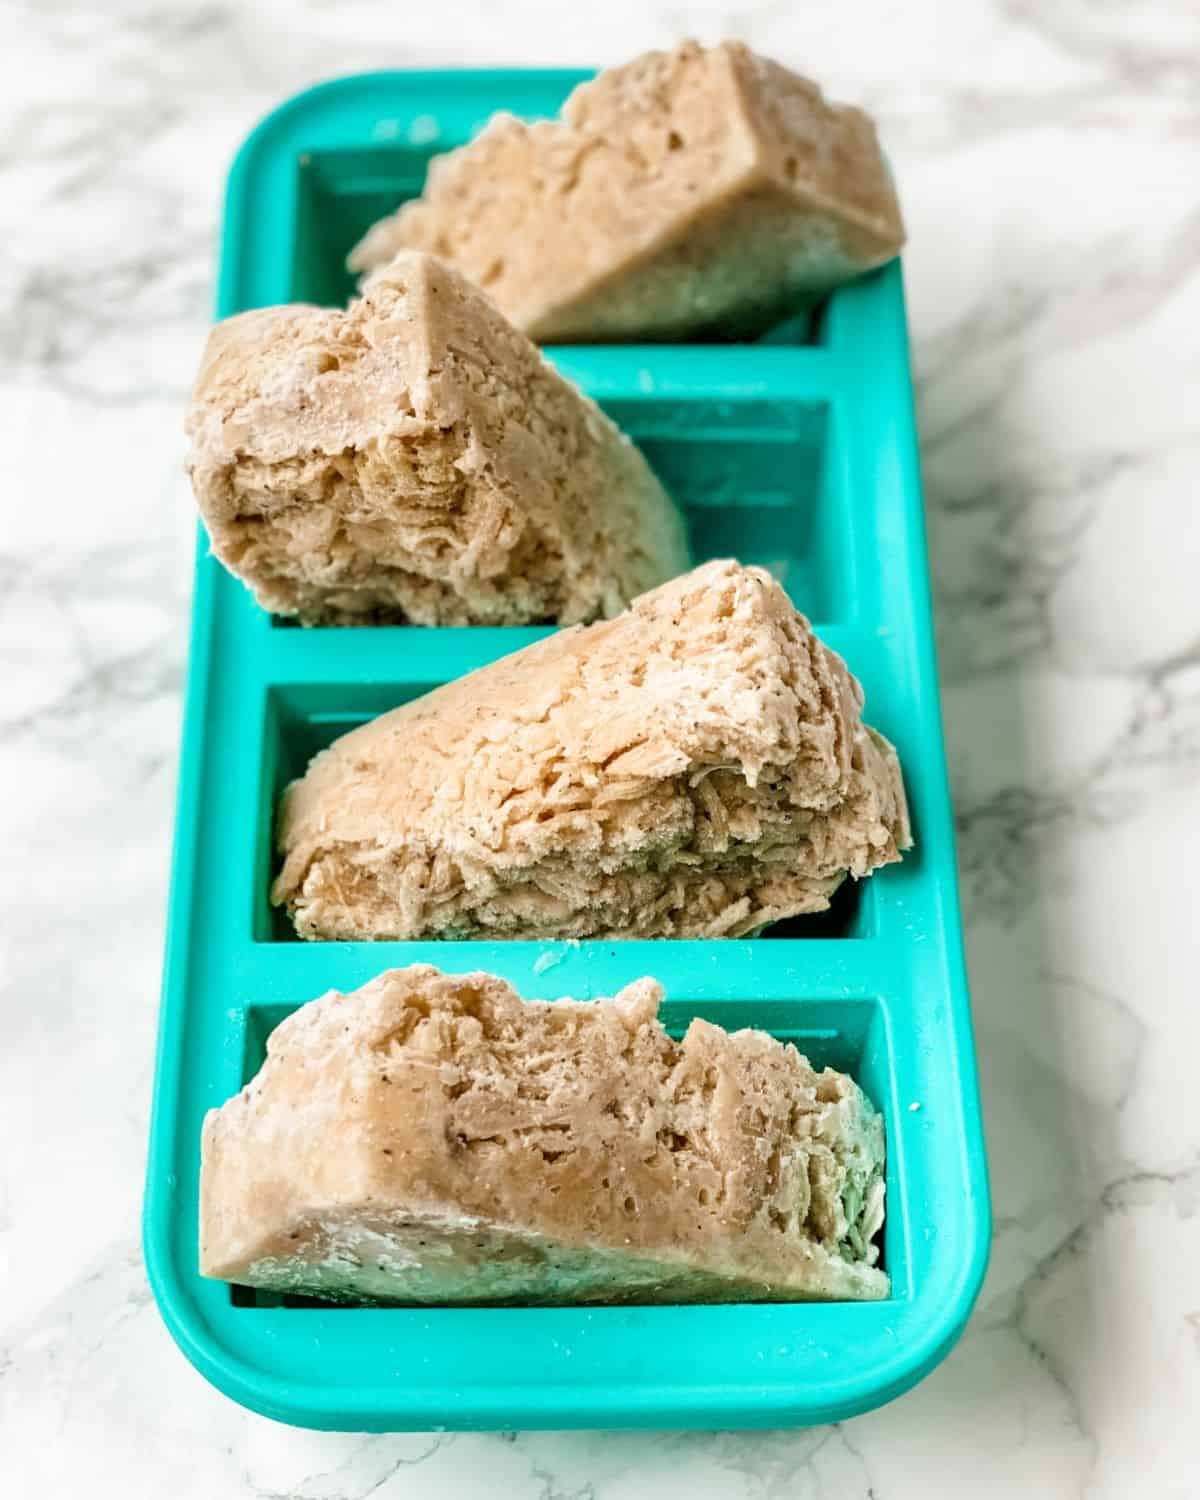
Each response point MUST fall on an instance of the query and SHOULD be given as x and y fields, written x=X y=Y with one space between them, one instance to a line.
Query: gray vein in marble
x=1002 y=835
x=371 y=1455
x=1134 y=1189
x=551 y=1490
x=76 y=1324
x=1127 y=52
x=1126 y=1059
x=1021 y=1311
x=59 y=316
x=79 y=143
x=100 y=677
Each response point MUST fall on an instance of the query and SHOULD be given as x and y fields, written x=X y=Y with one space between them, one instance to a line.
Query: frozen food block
x=696 y=767
x=415 y=458
x=433 y=1138
x=688 y=191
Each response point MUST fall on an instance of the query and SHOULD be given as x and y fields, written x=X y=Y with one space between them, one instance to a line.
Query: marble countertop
x=1049 y=158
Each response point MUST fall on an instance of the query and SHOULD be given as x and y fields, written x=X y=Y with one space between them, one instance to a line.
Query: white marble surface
x=1049 y=156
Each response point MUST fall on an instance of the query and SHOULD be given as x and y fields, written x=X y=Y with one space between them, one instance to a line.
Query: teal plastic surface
x=800 y=455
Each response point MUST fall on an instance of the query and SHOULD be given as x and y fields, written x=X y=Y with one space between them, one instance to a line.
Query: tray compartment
x=757 y=475
x=849 y=1035
x=299 y=722
x=339 y=195
x=301 y=719
x=758 y=478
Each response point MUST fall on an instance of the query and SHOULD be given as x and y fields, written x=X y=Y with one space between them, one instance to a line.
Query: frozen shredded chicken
x=696 y=767
x=704 y=189
x=432 y=1138
x=414 y=458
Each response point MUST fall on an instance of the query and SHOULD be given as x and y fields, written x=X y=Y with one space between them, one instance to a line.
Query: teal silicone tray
x=797 y=452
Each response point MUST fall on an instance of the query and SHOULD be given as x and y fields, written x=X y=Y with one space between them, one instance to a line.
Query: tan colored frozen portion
x=694 y=768
x=415 y=458
x=687 y=191
x=433 y=1138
